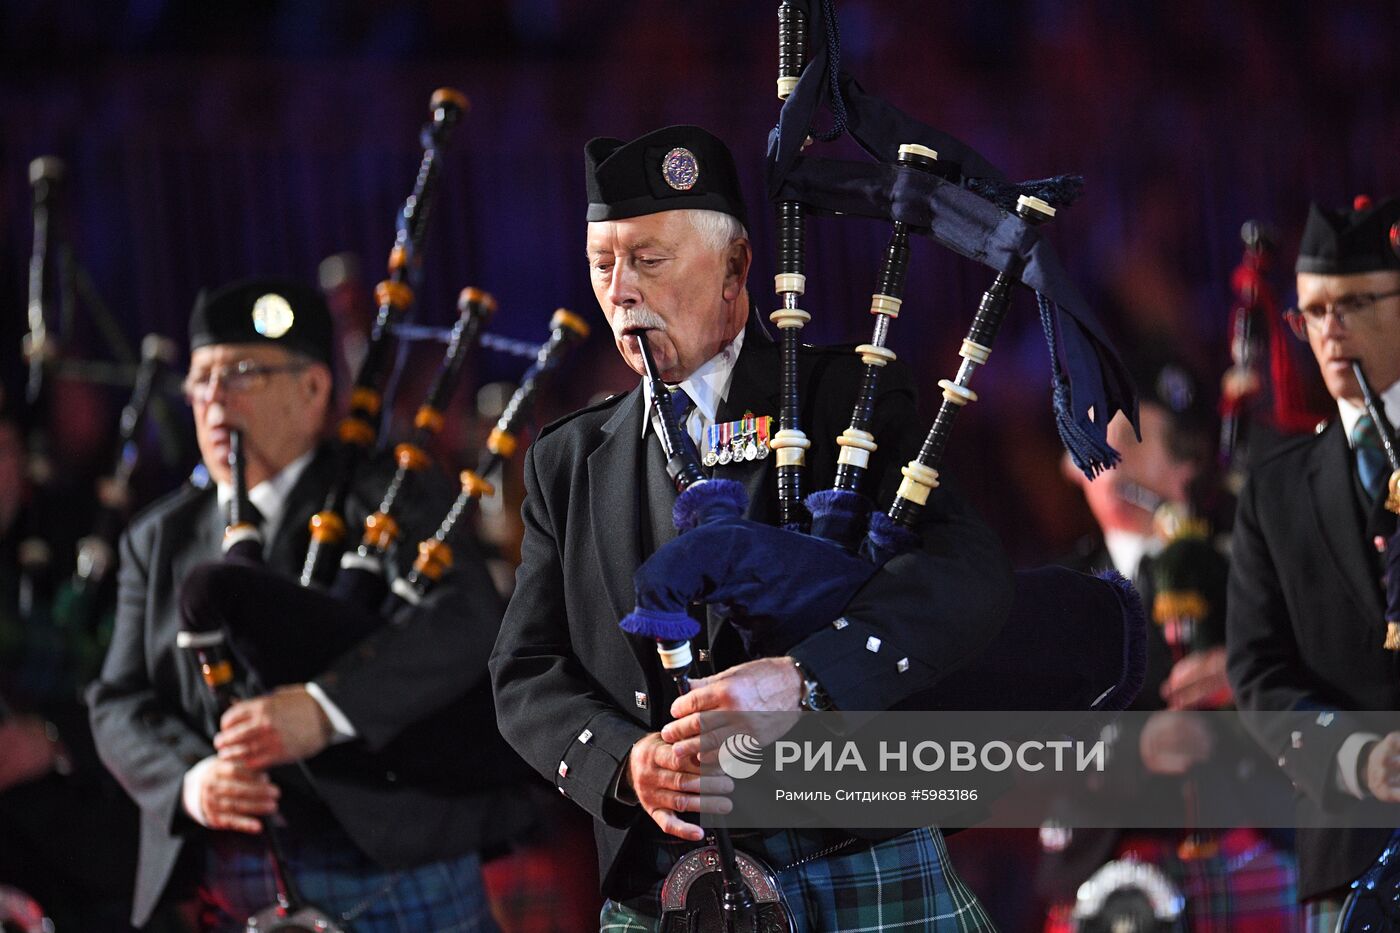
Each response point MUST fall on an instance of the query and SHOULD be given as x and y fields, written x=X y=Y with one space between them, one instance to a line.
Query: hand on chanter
x=715 y=707
x=234 y=797
x=278 y=728
x=667 y=784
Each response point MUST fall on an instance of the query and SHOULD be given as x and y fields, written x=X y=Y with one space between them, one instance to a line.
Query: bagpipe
x=714 y=887
x=242 y=599
x=251 y=602
x=933 y=185
x=242 y=543
x=67 y=594
x=97 y=551
x=1255 y=308
x=1072 y=641
x=360 y=428
x=1261 y=387
x=247 y=604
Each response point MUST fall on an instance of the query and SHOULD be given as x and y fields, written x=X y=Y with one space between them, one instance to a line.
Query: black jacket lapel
x=1338 y=515
x=613 y=482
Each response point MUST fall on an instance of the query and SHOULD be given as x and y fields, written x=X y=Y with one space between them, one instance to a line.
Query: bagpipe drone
x=246 y=604
x=930 y=184
x=1072 y=641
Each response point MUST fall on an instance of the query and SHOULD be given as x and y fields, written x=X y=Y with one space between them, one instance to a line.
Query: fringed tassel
x=1088 y=447
x=659 y=624
x=839 y=516
x=708 y=502
x=1058 y=191
x=886 y=539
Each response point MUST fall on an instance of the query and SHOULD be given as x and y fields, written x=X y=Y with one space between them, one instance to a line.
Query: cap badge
x=680 y=169
x=272 y=315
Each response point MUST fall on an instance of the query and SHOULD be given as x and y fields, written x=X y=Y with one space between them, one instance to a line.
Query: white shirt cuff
x=343 y=730
x=1347 y=757
x=189 y=789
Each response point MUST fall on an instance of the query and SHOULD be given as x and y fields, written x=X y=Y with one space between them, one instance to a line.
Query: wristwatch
x=813 y=698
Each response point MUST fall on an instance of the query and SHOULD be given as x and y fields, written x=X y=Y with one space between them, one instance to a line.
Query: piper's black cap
x=1350 y=242
x=1164 y=379
x=670 y=169
x=276 y=311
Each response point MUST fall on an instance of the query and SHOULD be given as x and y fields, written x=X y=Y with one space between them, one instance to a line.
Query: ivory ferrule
x=873 y=355
x=674 y=659
x=919 y=480
x=856 y=448
x=789 y=283
x=958 y=395
x=885 y=304
x=786 y=318
x=971 y=350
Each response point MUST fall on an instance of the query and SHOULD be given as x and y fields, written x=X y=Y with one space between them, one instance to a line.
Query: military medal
x=750 y=437
x=739 y=441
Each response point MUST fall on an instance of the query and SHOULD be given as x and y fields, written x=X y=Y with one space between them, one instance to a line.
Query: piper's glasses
x=1349 y=309
x=243 y=376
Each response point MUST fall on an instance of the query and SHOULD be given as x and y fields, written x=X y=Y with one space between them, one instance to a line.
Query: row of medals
x=743 y=447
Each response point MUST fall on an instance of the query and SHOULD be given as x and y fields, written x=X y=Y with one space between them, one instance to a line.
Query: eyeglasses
x=1349 y=308
x=243 y=376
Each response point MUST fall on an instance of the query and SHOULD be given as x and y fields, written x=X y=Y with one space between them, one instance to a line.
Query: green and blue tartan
x=906 y=883
x=339 y=879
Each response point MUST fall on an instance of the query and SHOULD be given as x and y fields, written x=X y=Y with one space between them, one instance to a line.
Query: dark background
x=209 y=140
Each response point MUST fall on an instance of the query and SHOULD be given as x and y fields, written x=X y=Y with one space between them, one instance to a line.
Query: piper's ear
x=737 y=260
x=316 y=383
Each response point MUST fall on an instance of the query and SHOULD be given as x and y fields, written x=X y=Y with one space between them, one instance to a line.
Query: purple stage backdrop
x=207 y=141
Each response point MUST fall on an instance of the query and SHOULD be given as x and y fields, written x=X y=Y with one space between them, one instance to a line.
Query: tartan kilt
x=335 y=876
x=1248 y=886
x=905 y=883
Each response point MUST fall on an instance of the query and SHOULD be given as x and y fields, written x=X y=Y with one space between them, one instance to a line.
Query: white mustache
x=638 y=318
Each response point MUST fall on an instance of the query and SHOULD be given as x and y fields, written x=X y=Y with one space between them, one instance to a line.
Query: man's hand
x=26 y=754
x=283 y=726
x=1198 y=681
x=667 y=784
x=1383 y=769
x=233 y=797
x=705 y=716
x=1173 y=742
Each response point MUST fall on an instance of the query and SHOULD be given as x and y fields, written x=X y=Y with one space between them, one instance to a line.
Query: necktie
x=250 y=514
x=1371 y=464
x=683 y=404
